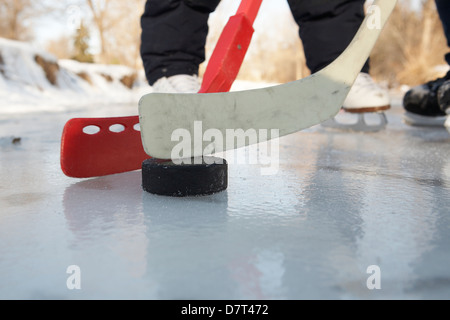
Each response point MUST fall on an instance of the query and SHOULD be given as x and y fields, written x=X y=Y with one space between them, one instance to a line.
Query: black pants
x=174 y=33
x=443 y=7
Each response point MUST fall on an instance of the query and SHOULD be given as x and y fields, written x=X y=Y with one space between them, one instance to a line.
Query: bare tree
x=125 y=36
x=412 y=43
x=62 y=47
x=17 y=17
x=101 y=18
x=14 y=19
x=118 y=26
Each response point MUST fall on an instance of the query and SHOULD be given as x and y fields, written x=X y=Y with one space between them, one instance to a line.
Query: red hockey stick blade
x=107 y=152
x=87 y=154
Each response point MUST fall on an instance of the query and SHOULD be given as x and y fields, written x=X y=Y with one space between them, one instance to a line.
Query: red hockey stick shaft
x=231 y=48
x=86 y=155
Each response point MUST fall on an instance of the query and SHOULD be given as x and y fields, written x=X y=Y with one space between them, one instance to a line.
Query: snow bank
x=33 y=80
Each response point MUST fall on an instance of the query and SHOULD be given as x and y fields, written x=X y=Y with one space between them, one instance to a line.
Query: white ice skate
x=365 y=97
x=182 y=83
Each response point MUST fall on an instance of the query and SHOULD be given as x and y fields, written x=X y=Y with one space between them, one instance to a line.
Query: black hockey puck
x=192 y=177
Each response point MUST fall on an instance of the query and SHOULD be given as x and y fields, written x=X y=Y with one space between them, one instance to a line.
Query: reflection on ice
x=340 y=202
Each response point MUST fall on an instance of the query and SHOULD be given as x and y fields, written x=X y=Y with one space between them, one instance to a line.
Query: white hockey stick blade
x=289 y=107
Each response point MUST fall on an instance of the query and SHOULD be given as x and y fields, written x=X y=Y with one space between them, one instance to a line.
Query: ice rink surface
x=346 y=216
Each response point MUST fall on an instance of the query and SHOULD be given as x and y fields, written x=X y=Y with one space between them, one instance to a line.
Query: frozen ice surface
x=339 y=203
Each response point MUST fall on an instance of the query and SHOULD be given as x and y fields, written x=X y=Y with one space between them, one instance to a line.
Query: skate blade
x=361 y=125
x=418 y=120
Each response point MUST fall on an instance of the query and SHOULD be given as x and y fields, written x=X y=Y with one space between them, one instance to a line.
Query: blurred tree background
x=411 y=47
x=81 y=45
x=408 y=52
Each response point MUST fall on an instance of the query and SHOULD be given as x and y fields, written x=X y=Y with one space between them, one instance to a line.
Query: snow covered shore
x=34 y=80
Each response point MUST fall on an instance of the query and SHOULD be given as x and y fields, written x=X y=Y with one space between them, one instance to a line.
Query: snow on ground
x=25 y=86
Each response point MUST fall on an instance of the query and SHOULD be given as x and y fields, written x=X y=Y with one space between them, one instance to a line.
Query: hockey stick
x=89 y=155
x=289 y=107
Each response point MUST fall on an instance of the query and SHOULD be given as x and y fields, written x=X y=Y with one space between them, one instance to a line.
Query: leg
x=327 y=28
x=443 y=7
x=173 y=36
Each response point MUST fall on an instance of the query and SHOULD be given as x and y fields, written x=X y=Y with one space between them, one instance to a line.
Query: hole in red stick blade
x=117 y=128
x=91 y=129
